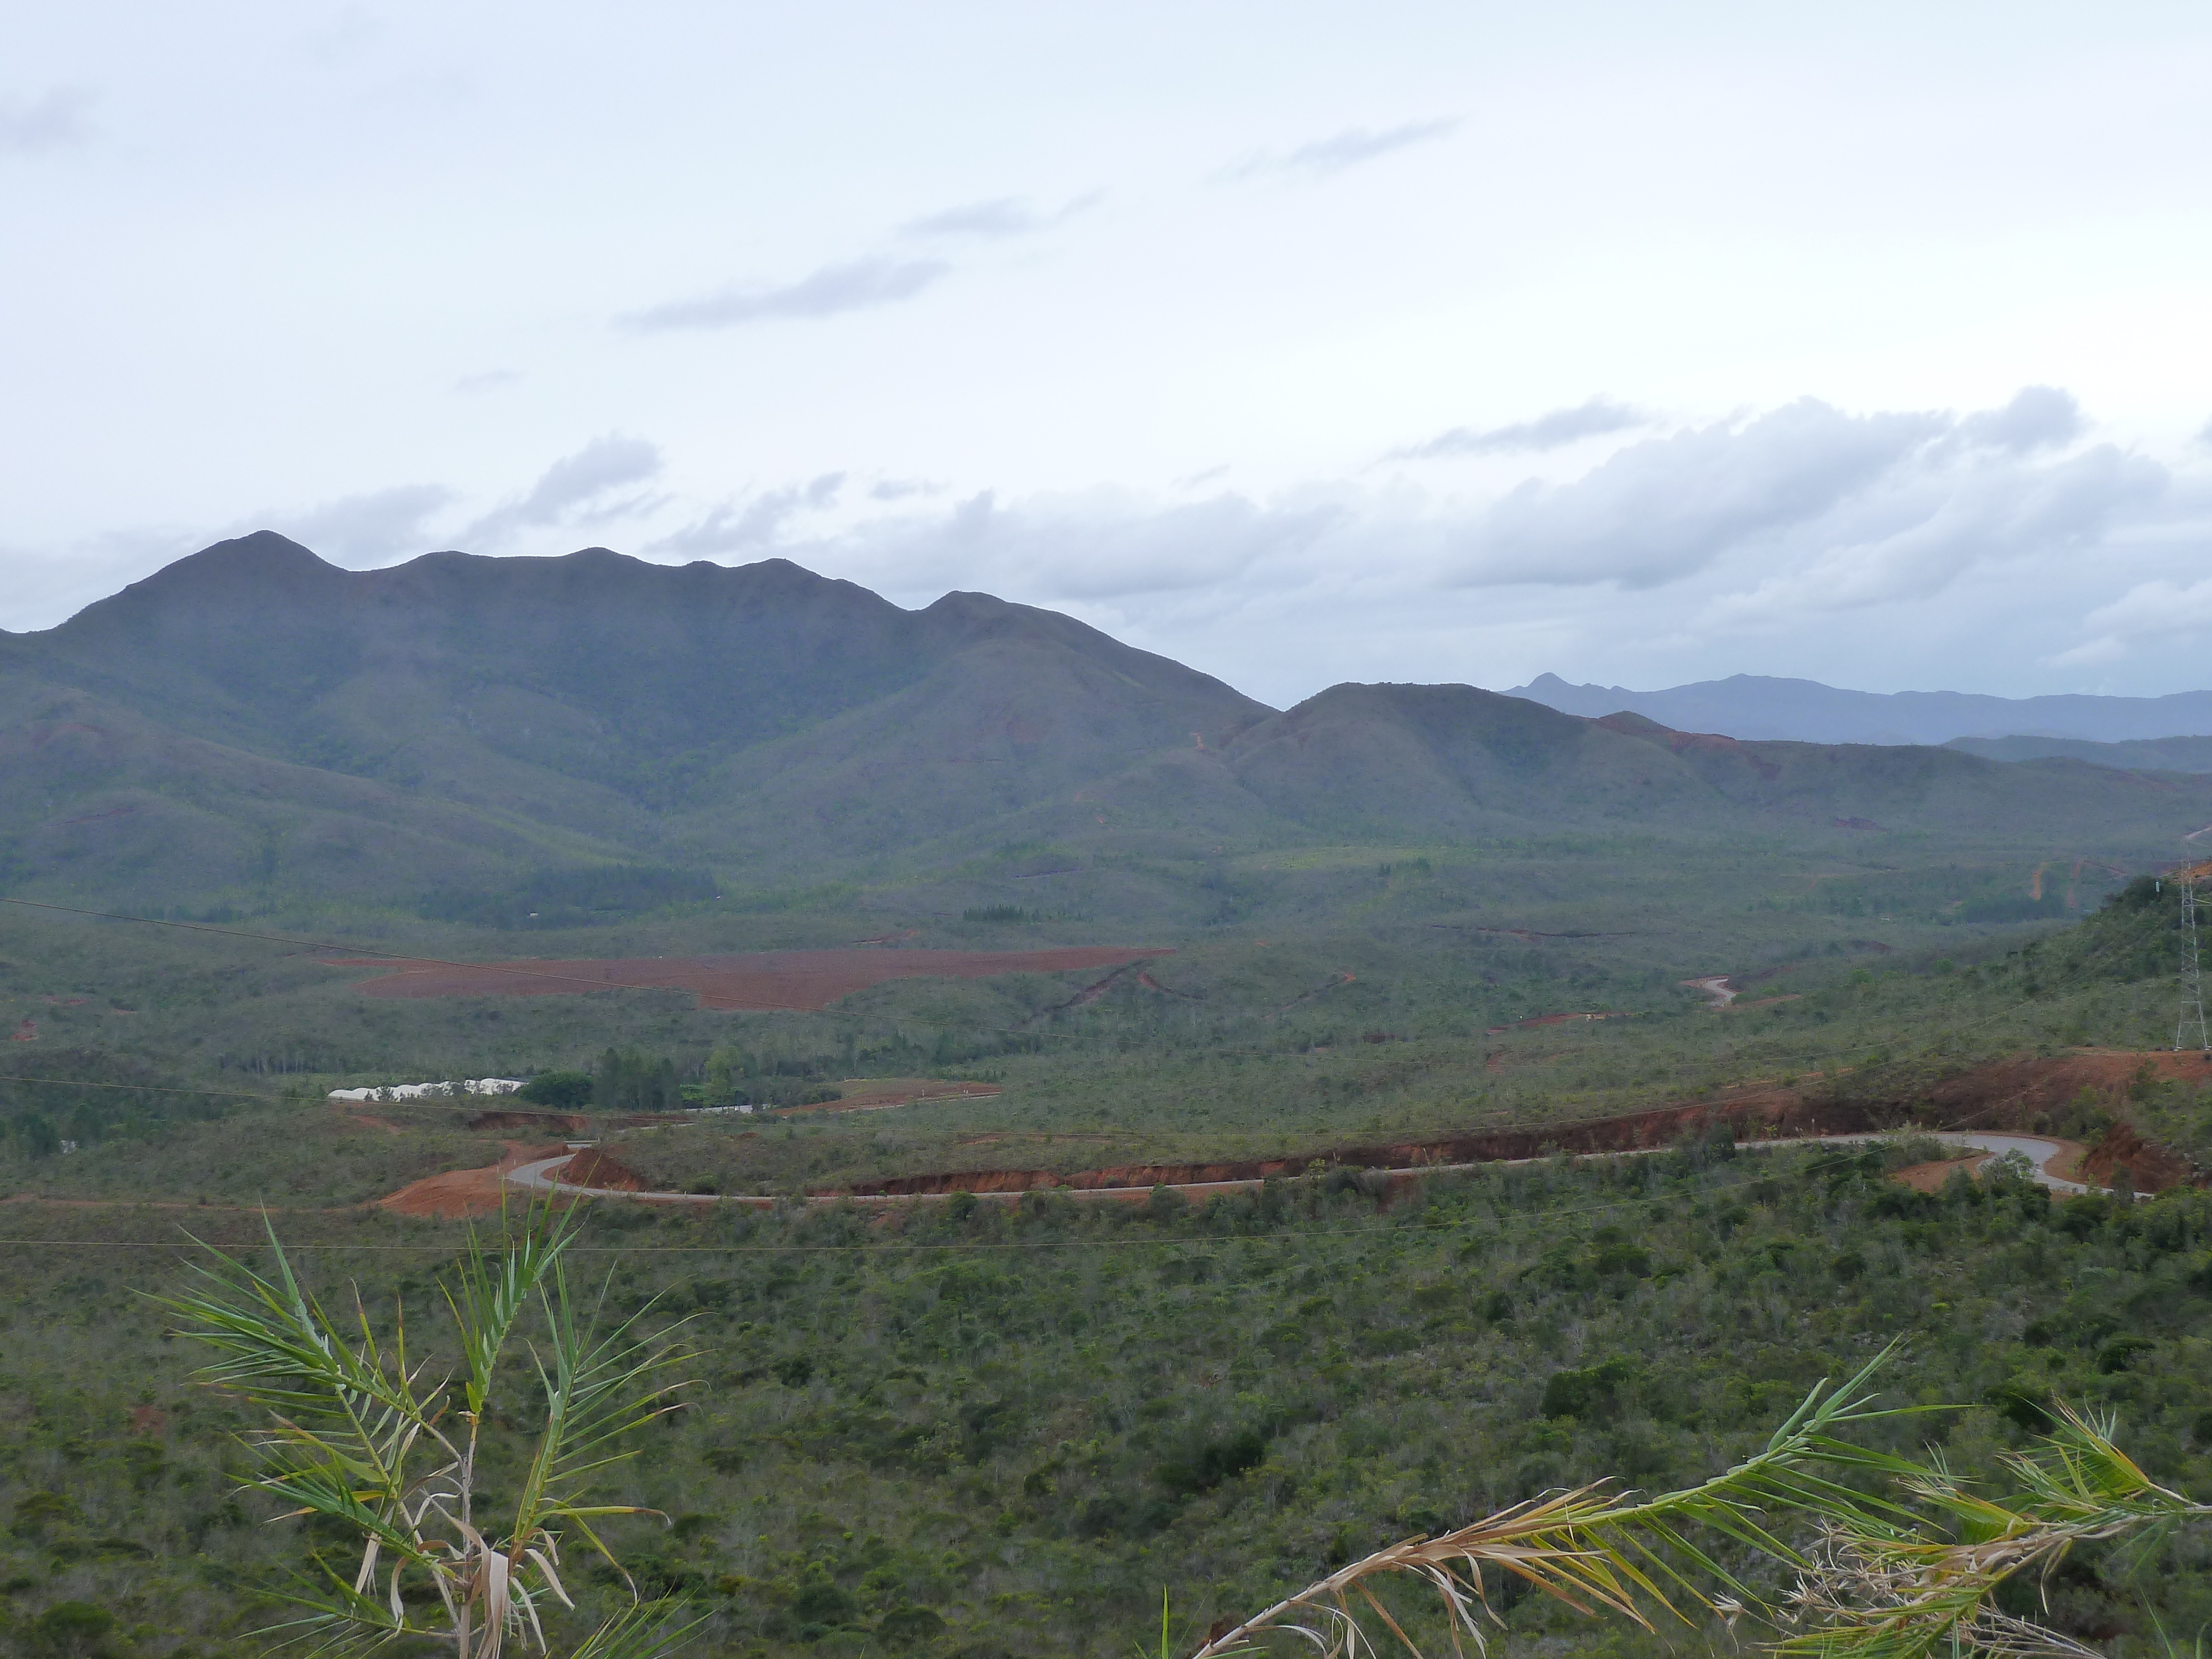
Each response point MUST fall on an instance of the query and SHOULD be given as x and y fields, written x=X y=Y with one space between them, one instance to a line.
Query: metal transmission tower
x=2192 y=968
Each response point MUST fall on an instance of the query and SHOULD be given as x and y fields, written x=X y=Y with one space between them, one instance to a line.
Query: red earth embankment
x=2023 y=1095
x=801 y=979
x=2047 y=1095
x=880 y=1094
x=461 y=1194
x=1767 y=1113
x=594 y=1167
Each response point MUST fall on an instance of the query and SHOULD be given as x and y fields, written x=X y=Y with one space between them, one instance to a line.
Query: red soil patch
x=148 y=1419
x=2035 y=1095
x=462 y=1194
x=879 y=1094
x=1543 y=1020
x=766 y=980
x=2009 y=1095
x=1930 y=1177
x=2154 y=1167
x=1768 y=1114
x=594 y=1167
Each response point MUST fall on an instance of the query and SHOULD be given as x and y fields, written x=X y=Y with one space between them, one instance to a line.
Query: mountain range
x=253 y=721
x=1760 y=706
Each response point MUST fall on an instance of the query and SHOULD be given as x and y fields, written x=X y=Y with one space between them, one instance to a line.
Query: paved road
x=539 y=1177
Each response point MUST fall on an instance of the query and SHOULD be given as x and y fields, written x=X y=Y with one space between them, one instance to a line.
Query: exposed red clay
x=594 y=1168
x=2016 y=1095
x=802 y=979
x=462 y=1194
x=1543 y=1019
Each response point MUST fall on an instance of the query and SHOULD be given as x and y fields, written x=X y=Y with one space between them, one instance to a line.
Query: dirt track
x=796 y=979
x=1989 y=1107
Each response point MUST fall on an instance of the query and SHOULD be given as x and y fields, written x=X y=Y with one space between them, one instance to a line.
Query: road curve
x=538 y=1176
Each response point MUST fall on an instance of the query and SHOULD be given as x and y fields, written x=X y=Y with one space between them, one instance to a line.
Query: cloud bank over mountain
x=2012 y=544
x=1441 y=344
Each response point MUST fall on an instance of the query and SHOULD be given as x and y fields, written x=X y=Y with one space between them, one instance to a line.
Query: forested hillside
x=252 y=729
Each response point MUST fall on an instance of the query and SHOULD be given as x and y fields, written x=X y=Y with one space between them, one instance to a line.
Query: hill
x=2141 y=754
x=212 y=728
x=1761 y=706
x=515 y=740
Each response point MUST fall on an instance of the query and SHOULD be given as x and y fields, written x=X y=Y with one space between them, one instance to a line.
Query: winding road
x=539 y=1176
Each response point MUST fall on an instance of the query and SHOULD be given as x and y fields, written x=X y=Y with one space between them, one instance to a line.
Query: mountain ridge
x=252 y=722
x=1764 y=708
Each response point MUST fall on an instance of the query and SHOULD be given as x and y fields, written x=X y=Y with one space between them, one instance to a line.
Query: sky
x=1638 y=343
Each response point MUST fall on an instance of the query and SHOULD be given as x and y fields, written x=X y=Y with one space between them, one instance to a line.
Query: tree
x=566 y=1091
x=373 y=1437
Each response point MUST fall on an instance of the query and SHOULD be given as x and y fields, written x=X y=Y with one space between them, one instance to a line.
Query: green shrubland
x=983 y=1429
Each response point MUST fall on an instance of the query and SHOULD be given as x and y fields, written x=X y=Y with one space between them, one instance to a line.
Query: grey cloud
x=2037 y=417
x=1087 y=547
x=756 y=523
x=1662 y=509
x=53 y=119
x=1596 y=418
x=492 y=380
x=1929 y=522
x=1348 y=149
x=858 y=285
x=1003 y=216
x=576 y=488
x=898 y=490
x=364 y=529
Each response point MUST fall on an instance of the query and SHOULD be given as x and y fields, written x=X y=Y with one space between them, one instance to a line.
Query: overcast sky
x=1639 y=343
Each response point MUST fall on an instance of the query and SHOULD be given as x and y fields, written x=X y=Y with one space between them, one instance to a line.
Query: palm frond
x=1597 y=1551
x=1870 y=1590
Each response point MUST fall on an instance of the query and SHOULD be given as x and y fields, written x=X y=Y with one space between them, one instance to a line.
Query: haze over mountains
x=252 y=722
x=1755 y=706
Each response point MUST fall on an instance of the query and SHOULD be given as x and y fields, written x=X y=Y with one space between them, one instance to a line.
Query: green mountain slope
x=2141 y=754
x=1424 y=761
x=252 y=724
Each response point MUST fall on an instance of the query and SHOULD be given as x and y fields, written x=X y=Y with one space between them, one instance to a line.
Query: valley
x=1102 y=1134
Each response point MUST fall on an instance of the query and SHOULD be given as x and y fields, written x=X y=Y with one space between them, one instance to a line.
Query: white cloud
x=1921 y=529
x=754 y=526
x=575 y=490
x=2037 y=417
x=367 y=529
x=1348 y=149
x=53 y=120
x=2163 y=609
x=1000 y=216
x=1597 y=417
x=1661 y=509
x=857 y=285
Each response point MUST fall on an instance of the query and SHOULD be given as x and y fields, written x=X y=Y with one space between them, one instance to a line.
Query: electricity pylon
x=2192 y=967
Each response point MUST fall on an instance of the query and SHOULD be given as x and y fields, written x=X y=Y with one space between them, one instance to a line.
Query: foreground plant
x=1879 y=1579
x=391 y=1452
x=1596 y=1551
x=1869 y=1590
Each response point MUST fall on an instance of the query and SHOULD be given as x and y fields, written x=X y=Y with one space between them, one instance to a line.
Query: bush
x=68 y=1629
x=907 y=1626
x=1590 y=1396
x=565 y=1092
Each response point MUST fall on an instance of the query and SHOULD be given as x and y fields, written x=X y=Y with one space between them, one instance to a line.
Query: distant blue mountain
x=1755 y=706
